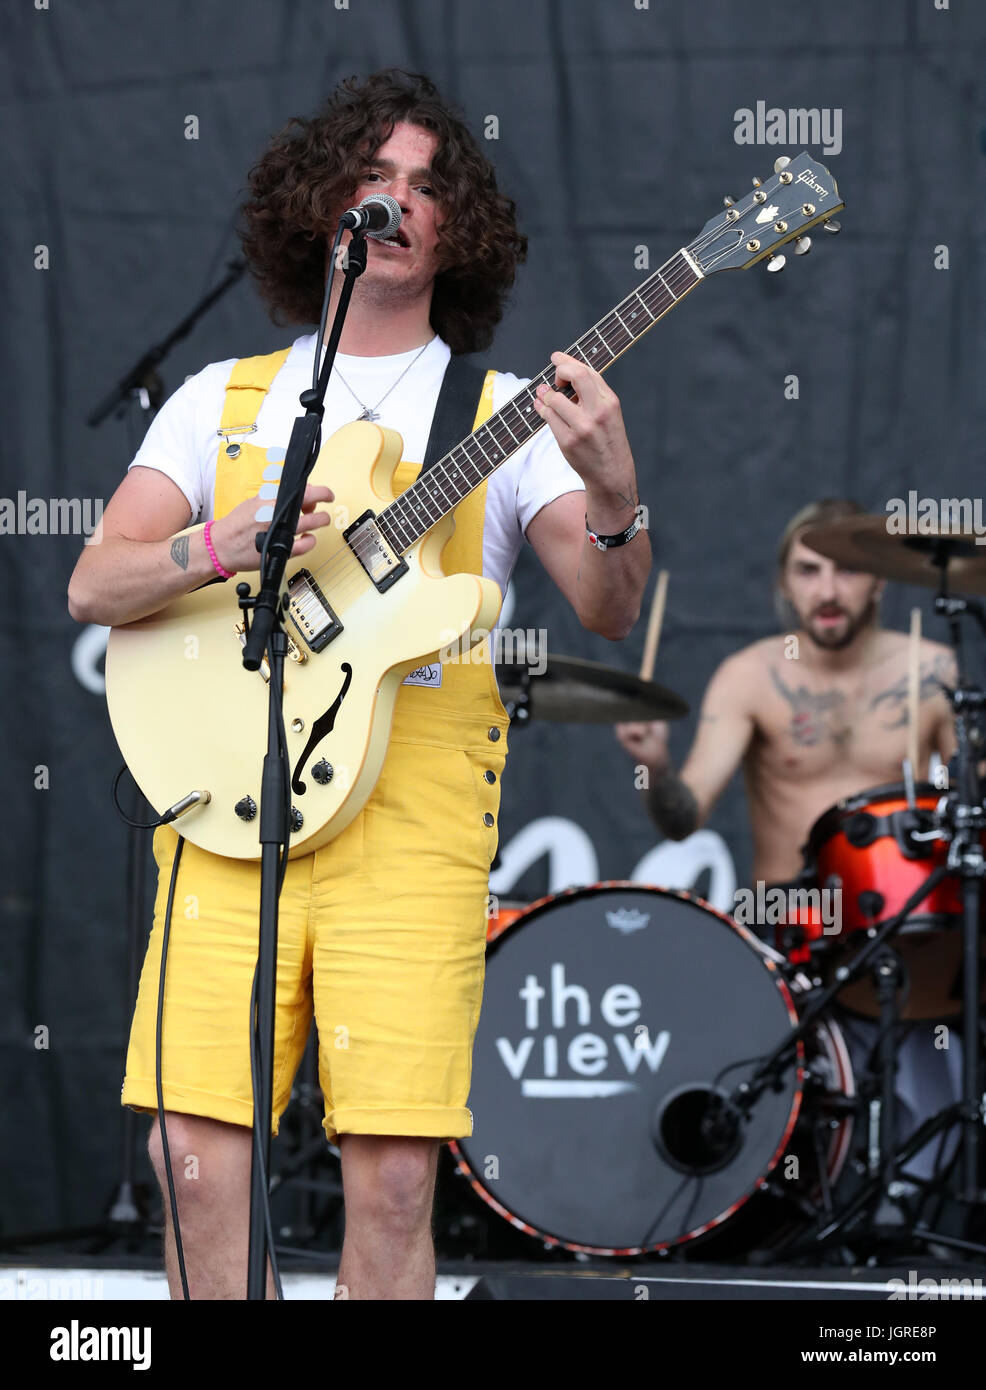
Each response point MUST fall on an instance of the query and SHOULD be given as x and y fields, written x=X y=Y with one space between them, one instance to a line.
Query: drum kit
x=650 y=1077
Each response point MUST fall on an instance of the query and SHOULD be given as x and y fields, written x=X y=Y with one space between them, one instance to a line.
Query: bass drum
x=613 y=1018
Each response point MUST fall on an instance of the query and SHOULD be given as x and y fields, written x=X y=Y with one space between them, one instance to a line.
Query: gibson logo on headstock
x=806 y=177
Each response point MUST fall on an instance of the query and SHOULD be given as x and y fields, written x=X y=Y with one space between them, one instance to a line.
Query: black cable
x=157 y=1066
x=320 y=341
x=683 y=1229
x=689 y=1177
x=134 y=824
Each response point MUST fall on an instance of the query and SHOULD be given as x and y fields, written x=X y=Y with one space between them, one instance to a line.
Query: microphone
x=378 y=215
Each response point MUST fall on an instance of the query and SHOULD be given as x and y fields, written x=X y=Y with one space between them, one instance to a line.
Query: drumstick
x=654 y=625
x=913 y=689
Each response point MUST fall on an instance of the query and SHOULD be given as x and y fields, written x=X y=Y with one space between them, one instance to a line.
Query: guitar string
x=344 y=570
x=676 y=277
x=611 y=324
x=679 y=274
x=610 y=330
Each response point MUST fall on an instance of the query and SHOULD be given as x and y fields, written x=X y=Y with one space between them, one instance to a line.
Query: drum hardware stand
x=745 y=1095
x=519 y=709
x=721 y=1124
x=888 y=973
x=962 y=811
x=964 y=806
x=871 y=1190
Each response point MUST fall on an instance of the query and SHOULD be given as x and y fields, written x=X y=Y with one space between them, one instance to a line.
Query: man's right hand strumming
x=234 y=535
x=140 y=563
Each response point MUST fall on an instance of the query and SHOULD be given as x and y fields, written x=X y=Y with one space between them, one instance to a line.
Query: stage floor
x=115 y=1277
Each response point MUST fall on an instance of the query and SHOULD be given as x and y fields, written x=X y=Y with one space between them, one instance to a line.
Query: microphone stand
x=265 y=633
x=142 y=374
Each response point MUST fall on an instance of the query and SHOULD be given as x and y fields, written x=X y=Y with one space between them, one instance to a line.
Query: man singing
x=382 y=931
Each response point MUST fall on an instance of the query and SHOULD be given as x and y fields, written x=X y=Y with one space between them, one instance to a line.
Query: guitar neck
x=453 y=477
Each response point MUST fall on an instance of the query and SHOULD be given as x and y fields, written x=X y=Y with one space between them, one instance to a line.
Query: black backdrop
x=615 y=131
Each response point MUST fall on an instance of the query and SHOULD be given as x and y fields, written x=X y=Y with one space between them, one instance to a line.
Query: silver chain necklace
x=368 y=413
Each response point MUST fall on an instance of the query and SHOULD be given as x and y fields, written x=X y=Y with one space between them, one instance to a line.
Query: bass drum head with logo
x=609 y=1014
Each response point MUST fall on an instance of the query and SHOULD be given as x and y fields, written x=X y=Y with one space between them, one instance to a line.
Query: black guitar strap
x=456 y=408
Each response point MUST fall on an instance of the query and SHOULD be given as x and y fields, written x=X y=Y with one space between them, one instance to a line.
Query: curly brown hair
x=311 y=170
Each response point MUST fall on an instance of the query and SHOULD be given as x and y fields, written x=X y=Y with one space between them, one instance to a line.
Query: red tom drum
x=865 y=847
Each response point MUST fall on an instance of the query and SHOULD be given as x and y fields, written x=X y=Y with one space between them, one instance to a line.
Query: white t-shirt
x=182 y=440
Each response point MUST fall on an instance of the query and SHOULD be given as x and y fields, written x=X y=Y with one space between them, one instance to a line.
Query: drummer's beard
x=837 y=639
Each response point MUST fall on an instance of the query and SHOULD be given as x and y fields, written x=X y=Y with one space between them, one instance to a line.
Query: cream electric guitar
x=370 y=602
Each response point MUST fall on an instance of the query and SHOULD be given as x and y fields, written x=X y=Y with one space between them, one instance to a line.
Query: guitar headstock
x=797 y=196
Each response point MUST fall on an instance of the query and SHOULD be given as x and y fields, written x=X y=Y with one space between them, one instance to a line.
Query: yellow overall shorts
x=381 y=933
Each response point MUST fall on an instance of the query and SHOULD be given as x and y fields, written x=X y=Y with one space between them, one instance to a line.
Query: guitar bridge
x=375 y=552
x=311 y=612
x=294 y=651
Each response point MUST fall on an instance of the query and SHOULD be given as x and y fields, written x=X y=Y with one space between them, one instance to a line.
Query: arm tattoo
x=894 y=698
x=628 y=500
x=671 y=806
x=179 y=552
x=816 y=715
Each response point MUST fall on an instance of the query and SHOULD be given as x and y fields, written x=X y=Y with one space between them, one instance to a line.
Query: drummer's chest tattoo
x=891 y=704
x=817 y=716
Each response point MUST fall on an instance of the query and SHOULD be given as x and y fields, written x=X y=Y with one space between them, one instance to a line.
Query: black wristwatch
x=621 y=537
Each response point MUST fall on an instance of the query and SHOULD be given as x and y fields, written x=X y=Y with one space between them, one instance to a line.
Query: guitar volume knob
x=323 y=772
x=297 y=819
x=246 y=808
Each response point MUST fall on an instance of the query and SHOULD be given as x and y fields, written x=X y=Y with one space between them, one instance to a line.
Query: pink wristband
x=226 y=574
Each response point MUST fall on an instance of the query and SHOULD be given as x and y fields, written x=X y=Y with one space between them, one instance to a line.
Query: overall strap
x=241 y=468
x=455 y=411
x=249 y=382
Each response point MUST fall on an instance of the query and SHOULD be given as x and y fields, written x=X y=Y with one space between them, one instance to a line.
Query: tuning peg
x=781 y=163
x=832 y=226
x=777 y=263
x=802 y=245
x=728 y=201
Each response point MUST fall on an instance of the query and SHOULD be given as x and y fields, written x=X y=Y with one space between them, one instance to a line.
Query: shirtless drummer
x=814 y=714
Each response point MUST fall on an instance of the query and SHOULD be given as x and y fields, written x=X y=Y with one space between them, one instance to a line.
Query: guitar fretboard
x=464 y=468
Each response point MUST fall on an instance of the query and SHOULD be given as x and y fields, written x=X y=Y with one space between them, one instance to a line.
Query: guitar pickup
x=311 y=613
x=375 y=553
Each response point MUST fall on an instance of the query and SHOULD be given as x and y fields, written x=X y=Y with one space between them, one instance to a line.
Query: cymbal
x=864 y=543
x=574 y=691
